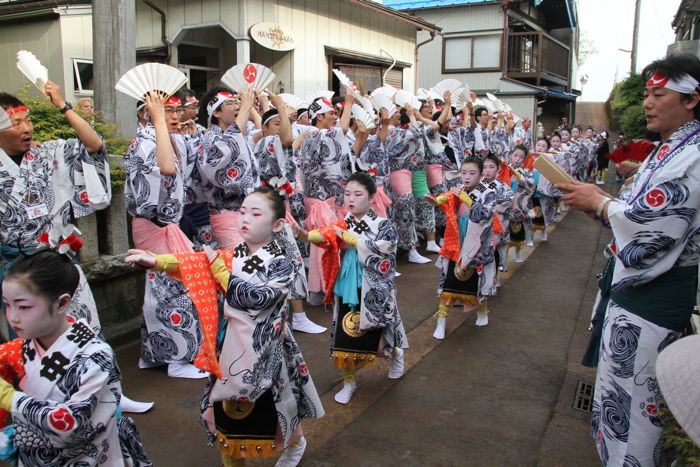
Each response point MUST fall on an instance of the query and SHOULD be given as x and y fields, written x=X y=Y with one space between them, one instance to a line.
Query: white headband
x=684 y=85
x=267 y=120
x=320 y=106
x=216 y=102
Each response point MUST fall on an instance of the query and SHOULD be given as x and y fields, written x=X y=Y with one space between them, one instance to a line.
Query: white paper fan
x=295 y=102
x=449 y=84
x=365 y=103
x=248 y=74
x=32 y=68
x=402 y=98
x=387 y=90
x=363 y=116
x=141 y=79
x=316 y=94
x=422 y=93
x=497 y=103
x=342 y=77
x=479 y=102
x=382 y=101
x=416 y=103
x=460 y=97
x=5 y=122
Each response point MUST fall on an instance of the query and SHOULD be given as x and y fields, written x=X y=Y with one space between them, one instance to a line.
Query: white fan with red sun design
x=248 y=74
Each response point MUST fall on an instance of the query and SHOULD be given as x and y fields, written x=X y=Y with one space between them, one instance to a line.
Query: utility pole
x=635 y=37
x=114 y=52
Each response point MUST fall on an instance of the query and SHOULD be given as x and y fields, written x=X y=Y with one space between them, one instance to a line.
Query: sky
x=611 y=31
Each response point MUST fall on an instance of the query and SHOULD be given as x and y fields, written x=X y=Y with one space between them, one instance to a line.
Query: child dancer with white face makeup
x=70 y=392
x=260 y=388
x=366 y=320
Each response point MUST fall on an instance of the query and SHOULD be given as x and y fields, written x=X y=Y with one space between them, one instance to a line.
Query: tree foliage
x=50 y=124
x=626 y=102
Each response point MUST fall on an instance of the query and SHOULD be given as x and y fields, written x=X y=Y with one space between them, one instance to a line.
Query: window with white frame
x=82 y=76
x=474 y=52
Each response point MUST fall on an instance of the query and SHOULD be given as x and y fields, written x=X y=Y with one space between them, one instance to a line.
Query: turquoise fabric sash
x=349 y=279
x=462 y=225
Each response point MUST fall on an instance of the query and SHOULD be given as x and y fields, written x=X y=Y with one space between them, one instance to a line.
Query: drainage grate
x=583 y=400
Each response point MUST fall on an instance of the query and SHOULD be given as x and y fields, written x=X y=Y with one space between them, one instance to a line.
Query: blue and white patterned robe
x=656 y=229
x=170 y=328
x=53 y=181
x=66 y=413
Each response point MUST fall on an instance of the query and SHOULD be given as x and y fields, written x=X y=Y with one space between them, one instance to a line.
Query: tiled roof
x=417 y=4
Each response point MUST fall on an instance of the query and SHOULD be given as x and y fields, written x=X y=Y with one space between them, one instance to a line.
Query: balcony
x=538 y=58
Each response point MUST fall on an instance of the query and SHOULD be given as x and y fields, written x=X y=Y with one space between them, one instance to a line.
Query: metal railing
x=535 y=54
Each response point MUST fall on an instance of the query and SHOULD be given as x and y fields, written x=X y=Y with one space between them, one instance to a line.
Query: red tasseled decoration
x=505 y=173
x=497 y=225
x=637 y=151
x=44 y=238
x=529 y=162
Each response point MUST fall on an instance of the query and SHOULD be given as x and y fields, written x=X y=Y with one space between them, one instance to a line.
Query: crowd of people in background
x=247 y=206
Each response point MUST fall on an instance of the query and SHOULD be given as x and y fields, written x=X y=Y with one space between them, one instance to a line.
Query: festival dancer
x=326 y=163
x=430 y=179
x=366 y=320
x=523 y=134
x=404 y=145
x=467 y=266
x=546 y=195
x=655 y=271
x=370 y=151
x=45 y=185
x=155 y=187
x=521 y=182
x=504 y=201
x=66 y=410
x=264 y=389
x=273 y=154
x=226 y=162
x=482 y=132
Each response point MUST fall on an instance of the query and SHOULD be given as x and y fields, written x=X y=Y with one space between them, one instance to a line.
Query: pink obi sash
x=319 y=214
x=159 y=240
x=223 y=225
x=381 y=202
x=401 y=182
x=434 y=174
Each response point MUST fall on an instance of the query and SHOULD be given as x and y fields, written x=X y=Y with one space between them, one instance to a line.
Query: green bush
x=50 y=124
x=626 y=102
x=633 y=122
x=679 y=449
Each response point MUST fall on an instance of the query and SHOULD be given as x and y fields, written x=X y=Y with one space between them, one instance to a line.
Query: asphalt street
x=499 y=395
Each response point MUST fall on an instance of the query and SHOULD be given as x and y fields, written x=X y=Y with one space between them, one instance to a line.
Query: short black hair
x=523 y=148
x=405 y=119
x=47 y=273
x=268 y=114
x=277 y=203
x=473 y=160
x=492 y=157
x=185 y=93
x=8 y=101
x=675 y=66
x=478 y=110
x=202 y=115
x=364 y=179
